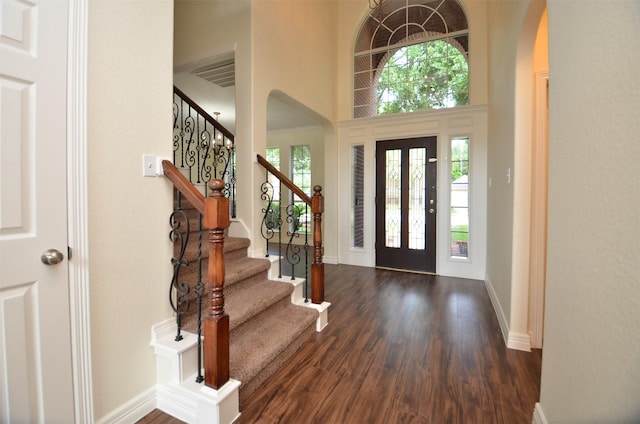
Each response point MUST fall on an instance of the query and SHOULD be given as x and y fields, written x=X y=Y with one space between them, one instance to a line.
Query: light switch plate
x=149 y=166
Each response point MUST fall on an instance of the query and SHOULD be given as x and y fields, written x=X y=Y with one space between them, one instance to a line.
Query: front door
x=35 y=336
x=406 y=172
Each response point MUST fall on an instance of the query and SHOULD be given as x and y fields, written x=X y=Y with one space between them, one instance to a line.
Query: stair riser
x=276 y=306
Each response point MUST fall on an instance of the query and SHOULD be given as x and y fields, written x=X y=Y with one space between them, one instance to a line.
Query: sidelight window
x=459 y=229
x=357 y=192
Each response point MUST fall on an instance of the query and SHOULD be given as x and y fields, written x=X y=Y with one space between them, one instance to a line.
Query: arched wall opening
x=520 y=336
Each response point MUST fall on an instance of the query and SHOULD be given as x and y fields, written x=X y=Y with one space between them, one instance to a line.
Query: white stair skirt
x=297 y=298
x=178 y=394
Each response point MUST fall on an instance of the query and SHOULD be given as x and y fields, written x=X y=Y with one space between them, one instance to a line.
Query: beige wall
x=129 y=113
x=513 y=26
x=293 y=47
x=591 y=367
x=204 y=30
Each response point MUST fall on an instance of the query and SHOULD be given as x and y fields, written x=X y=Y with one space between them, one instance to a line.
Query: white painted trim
x=133 y=410
x=195 y=403
x=330 y=260
x=512 y=340
x=502 y=319
x=519 y=341
x=463 y=121
x=78 y=210
x=539 y=212
x=538 y=415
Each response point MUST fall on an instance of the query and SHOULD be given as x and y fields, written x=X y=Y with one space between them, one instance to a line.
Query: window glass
x=301 y=176
x=417 y=198
x=411 y=55
x=357 y=192
x=273 y=157
x=392 y=198
x=459 y=231
x=431 y=75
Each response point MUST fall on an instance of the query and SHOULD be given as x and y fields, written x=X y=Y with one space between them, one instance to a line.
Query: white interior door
x=35 y=342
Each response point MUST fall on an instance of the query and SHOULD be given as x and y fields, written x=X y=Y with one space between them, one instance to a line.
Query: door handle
x=51 y=257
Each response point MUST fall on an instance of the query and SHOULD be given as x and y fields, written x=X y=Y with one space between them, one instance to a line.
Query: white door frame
x=77 y=209
x=538 y=252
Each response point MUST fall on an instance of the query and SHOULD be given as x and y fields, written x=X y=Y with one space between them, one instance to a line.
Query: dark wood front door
x=406 y=200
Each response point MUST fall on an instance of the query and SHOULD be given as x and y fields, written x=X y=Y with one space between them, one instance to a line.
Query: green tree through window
x=431 y=75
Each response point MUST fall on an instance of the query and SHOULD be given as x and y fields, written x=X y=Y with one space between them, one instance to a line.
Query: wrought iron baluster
x=267 y=226
x=292 y=251
x=203 y=149
x=280 y=230
x=307 y=228
x=179 y=291
x=200 y=288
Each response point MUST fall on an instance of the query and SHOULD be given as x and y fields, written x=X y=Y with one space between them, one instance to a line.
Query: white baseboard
x=502 y=319
x=538 y=415
x=519 y=341
x=195 y=403
x=512 y=340
x=333 y=260
x=133 y=410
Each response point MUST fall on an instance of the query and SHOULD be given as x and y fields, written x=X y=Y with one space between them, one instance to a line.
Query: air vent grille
x=221 y=73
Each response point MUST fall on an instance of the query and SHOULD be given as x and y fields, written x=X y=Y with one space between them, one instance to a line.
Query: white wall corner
x=519 y=341
x=502 y=319
x=333 y=260
x=238 y=229
x=538 y=415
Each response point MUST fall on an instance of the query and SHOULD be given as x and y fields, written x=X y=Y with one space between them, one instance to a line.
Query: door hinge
x=69 y=251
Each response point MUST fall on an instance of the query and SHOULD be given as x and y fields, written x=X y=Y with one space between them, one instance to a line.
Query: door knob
x=431 y=210
x=51 y=257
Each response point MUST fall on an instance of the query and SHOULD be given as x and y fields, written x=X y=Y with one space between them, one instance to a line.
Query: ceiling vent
x=221 y=73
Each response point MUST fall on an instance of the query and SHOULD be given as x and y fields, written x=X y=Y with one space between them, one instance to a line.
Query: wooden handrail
x=286 y=181
x=215 y=218
x=317 y=209
x=202 y=112
x=183 y=185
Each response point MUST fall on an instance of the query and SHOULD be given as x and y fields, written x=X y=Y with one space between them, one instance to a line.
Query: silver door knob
x=51 y=257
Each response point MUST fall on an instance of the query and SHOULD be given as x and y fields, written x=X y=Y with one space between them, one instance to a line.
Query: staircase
x=269 y=321
x=266 y=328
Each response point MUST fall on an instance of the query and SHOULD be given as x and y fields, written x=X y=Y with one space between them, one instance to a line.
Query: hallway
x=401 y=348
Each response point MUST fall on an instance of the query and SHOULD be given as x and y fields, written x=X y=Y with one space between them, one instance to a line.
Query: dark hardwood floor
x=400 y=348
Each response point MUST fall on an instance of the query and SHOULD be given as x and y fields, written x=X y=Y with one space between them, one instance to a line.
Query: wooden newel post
x=317 y=268
x=216 y=324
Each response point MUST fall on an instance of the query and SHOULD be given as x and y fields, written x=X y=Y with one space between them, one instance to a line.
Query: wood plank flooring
x=401 y=348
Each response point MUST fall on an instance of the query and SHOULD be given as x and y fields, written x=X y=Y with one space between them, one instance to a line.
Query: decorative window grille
x=411 y=55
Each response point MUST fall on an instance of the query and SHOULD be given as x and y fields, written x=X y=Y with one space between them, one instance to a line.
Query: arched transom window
x=411 y=55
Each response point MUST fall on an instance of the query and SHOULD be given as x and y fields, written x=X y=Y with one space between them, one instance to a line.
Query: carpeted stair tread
x=231 y=245
x=242 y=301
x=245 y=268
x=235 y=271
x=262 y=344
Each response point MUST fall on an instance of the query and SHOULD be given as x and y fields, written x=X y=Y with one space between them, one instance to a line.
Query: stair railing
x=202 y=147
x=272 y=223
x=214 y=210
